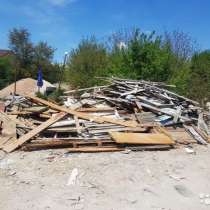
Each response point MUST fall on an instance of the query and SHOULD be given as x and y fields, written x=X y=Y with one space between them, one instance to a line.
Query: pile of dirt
x=24 y=86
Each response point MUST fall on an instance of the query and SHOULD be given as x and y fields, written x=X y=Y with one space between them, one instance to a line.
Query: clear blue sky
x=62 y=23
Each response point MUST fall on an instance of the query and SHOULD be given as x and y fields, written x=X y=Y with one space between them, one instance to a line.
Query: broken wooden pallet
x=59 y=143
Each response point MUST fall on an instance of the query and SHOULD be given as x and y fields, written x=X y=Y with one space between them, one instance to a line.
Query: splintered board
x=141 y=138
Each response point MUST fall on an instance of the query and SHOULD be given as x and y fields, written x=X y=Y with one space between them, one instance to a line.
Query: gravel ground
x=162 y=180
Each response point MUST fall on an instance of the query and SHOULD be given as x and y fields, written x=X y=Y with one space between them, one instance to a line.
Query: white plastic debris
x=73 y=177
x=189 y=151
x=202 y=196
x=126 y=151
x=5 y=163
x=175 y=177
x=207 y=201
x=117 y=114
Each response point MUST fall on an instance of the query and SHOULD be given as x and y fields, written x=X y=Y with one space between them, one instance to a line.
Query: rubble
x=127 y=114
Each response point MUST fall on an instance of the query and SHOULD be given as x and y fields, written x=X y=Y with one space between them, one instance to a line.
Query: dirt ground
x=163 y=180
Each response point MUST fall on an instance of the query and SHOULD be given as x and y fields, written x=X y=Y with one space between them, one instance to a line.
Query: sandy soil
x=170 y=180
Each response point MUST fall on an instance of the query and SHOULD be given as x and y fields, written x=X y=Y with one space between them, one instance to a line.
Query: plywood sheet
x=141 y=138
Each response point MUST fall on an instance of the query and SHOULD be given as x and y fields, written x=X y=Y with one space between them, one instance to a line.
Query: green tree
x=43 y=52
x=138 y=55
x=199 y=84
x=117 y=51
x=148 y=56
x=6 y=71
x=86 y=62
x=42 y=57
x=22 y=47
x=181 y=48
x=30 y=57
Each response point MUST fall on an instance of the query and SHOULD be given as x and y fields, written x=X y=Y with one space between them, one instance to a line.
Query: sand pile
x=25 y=86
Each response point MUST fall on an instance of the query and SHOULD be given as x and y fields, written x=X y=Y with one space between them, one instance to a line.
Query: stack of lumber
x=138 y=115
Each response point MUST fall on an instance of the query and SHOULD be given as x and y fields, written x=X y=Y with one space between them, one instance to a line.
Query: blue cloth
x=40 y=79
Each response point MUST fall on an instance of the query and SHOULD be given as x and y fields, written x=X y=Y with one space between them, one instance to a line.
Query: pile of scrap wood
x=146 y=102
x=137 y=115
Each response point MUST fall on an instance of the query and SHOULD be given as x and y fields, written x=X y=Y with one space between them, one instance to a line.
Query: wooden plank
x=5 y=140
x=149 y=147
x=141 y=138
x=70 y=139
x=106 y=130
x=19 y=113
x=85 y=89
x=63 y=130
x=96 y=149
x=96 y=109
x=15 y=144
x=81 y=115
x=36 y=109
x=195 y=135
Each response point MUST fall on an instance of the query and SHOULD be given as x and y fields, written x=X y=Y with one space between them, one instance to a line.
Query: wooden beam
x=96 y=149
x=18 y=142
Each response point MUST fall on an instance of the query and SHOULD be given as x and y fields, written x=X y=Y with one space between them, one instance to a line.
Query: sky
x=63 y=23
